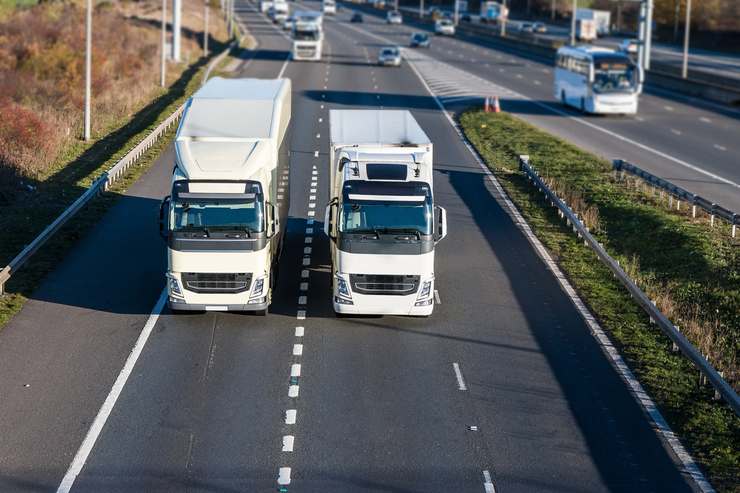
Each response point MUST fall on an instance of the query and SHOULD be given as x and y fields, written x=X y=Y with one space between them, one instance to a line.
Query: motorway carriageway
x=692 y=143
x=504 y=388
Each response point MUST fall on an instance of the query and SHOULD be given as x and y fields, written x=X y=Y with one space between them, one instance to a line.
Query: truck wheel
x=583 y=105
x=261 y=313
x=562 y=98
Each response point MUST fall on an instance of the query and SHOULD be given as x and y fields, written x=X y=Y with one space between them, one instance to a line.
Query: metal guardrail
x=100 y=185
x=721 y=387
x=711 y=208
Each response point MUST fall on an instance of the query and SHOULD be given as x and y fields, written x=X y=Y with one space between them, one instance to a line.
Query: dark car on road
x=419 y=40
x=356 y=17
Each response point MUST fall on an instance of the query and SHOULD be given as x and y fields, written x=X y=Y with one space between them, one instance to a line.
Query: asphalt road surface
x=504 y=386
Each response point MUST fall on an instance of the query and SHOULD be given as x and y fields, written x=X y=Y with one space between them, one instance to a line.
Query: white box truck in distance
x=381 y=217
x=308 y=36
x=224 y=220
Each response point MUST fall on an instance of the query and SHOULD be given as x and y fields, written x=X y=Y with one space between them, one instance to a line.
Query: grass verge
x=52 y=196
x=694 y=267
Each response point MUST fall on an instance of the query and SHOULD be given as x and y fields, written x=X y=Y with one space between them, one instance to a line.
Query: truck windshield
x=305 y=35
x=386 y=207
x=218 y=215
x=614 y=75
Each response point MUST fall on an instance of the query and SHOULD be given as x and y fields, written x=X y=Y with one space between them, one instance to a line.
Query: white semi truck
x=225 y=218
x=600 y=18
x=381 y=218
x=308 y=36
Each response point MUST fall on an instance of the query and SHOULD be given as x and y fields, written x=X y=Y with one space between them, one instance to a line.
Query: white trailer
x=381 y=218
x=265 y=5
x=601 y=18
x=225 y=217
x=585 y=30
x=308 y=36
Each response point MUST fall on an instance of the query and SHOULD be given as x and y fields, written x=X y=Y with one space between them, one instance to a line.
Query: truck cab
x=382 y=220
x=308 y=36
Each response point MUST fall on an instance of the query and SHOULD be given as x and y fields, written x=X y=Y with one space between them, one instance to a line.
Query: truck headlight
x=426 y=289
x=173 y=286
x=259 y=286
x=342 y=287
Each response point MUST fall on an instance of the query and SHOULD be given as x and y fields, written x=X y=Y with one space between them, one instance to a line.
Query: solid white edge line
x=437 y=299
x=487 y=483
x=93 y=433
x=612 y=353
x=458 y=374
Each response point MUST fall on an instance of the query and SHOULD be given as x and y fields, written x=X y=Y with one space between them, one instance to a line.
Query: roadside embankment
x=690 y=270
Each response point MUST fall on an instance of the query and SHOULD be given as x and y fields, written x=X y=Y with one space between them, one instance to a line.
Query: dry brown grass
x=42 y=78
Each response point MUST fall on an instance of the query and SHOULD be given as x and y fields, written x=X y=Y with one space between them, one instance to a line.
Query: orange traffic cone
x=486 y=107
x=496 y=105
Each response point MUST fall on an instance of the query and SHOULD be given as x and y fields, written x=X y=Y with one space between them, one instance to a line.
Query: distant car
x=390 y=55
x=356 y=17
x=379 y=4
x=288 y=23
x=394 y=17
x=629 y=46
x=420 y=40
x=539 y=27
x=466 y=18
x=526 y=27
x=444 y=26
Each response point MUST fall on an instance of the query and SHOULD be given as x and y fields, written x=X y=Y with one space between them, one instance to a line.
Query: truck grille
x=307 y=52
x=384 y=284
x=202 y=282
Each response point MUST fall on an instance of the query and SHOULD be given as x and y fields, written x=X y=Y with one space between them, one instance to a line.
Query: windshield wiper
x=362 y=231
x=412 y=231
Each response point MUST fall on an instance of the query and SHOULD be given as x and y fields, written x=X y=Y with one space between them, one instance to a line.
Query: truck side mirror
x=272 y=220
x=440 y=227
x=164 y=216
x=329 y=215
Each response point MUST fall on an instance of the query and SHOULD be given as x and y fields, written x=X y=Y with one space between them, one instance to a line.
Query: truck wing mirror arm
x=164 y=208
x=273 y=221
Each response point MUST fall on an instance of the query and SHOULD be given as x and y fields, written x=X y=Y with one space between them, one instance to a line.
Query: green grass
x=69 y=179
x=667 y=251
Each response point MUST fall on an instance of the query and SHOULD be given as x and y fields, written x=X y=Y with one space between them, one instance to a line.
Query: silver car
x=390 y=55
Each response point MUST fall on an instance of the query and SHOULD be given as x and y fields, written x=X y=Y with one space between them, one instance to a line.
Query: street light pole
x=421 y=9
x=648 y=33
x=686 y=32
x=176 y=29
x=457 y=11
x=573 y=23
x=88 y=67
x=163 y=54
x=205 y=29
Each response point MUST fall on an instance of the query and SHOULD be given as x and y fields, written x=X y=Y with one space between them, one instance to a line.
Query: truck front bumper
x=176 y=304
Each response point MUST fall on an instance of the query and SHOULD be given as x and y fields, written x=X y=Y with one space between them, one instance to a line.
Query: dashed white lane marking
x=293 y=391
x=318 y=136
x=315 y=153
x=705 y=119
x=78 y=462
x=312 y=213
x=322 y=106
x=309 y=231
x=290 y=416
x=519 y=76
x=312 y=205
x=304 y=274
x=312 y=197
x=301 y=315
x=304 y=286
x=307 y=250
x=307 y=239
x=295 y=370
x=721 y=148
x=299 y=331
x=284 y=476
x=302 y=300
x=487 y=483
x=537 y=83
x=313 y=190
x=458 y=374
x=639 y=119
x=297 y=349
x=306 y=261
x=321 y=120
x=288 y=443
x=437 y=299
x=676 y=132
x=668 y=108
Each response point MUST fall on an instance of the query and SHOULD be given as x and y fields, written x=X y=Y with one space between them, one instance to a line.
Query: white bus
x=597 y=80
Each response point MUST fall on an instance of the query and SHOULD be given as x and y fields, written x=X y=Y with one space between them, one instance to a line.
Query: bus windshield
x=614 y=76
